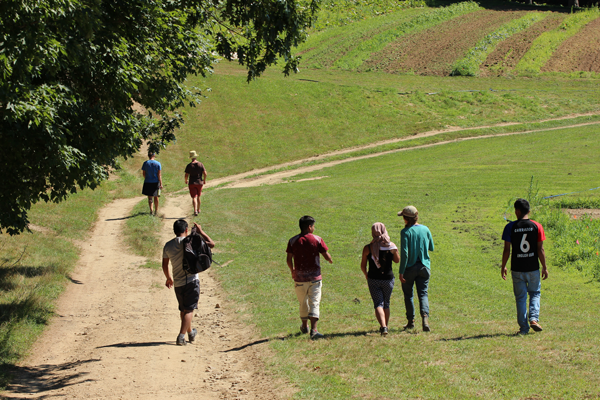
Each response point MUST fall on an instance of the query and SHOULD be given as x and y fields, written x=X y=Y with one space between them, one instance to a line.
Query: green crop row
x=544 y=46
x=353 y=59
x=469 y=65
x=334 y=13
x=324 y=48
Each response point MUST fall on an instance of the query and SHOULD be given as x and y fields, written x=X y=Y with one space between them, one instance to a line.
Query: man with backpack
x=187 y=285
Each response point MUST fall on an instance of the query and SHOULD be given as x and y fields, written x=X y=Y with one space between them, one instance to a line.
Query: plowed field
x=433 y=51
x=508 y=53
x=578 y=53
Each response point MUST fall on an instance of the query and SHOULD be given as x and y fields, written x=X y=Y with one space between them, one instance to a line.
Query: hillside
x=465 y=38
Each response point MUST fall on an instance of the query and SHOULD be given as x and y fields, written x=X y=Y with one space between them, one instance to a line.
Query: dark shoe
x=410 y=325
x=192 y=335
x=535 y=326
x=303 y=329
x=181 y=340
x=383 y=330
x=426 y=327
x=314 y=335
x=520 y=333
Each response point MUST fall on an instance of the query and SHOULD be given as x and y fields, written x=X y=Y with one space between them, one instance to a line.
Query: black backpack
x=197 y=256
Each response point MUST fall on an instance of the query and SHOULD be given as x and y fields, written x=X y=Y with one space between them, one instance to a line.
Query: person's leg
x=155 y=205
x=186 y=321
x=407 y=290
x=150 y=199
x=387 y=288
x=380 y=316
x=195 y=204
x=314 y=301
x=301 y=289
x=520 y=291
x=422 y=284
x=534 y=287
x=378 y=300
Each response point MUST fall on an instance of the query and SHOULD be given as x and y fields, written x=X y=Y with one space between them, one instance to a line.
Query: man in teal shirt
x=415 y=244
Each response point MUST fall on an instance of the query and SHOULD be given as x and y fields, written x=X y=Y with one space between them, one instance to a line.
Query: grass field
x=461 y=190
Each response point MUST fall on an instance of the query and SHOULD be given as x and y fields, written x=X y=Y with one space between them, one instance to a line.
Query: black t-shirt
x=524 y=235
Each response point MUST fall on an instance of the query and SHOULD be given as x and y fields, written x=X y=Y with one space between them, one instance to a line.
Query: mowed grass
x=461 y=190
x=274 y=119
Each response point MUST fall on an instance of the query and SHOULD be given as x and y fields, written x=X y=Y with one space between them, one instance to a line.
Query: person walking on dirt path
x=526 y=237
x=187 y=286
x=303 y=259
x=151 y=170
x=196 y=173
x=415 y=265
x=379 y=254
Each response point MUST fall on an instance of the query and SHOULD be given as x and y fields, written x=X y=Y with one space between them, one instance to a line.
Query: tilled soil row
x=580 y=52
x=508 y=52
x=434 y=50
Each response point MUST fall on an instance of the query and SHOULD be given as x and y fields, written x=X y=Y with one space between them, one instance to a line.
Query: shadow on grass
x=8 y=274
x=458 y=339
x=43 y=378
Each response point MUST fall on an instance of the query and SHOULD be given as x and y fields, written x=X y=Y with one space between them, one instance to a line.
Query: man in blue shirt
x=152 y=181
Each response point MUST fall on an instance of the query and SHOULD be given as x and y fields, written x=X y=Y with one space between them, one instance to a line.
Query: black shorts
x=150 y=189
x=188 y=295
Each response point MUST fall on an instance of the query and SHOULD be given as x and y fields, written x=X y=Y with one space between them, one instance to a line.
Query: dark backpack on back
x=197 y=256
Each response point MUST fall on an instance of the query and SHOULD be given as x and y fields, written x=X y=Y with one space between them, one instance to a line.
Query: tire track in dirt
x=114 y=333
x=270 y=175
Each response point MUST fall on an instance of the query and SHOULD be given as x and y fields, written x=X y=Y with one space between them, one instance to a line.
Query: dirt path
x=114 y=334
x=262 y=176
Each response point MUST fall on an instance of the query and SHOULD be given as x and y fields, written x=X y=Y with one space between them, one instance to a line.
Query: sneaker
x=535 y=326
x=181 y=340
x=314 y=335
x=303 y=329
x=192 y=335
x=521 y=333
x=383 y=331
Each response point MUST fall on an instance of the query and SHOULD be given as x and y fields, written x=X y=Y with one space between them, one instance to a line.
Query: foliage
x=542 y=48
x=74 y=73
x=469 y=65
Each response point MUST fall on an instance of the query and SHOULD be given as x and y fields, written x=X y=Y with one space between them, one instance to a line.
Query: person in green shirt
x=415 y=266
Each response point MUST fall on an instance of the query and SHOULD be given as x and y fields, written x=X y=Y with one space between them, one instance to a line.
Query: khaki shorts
x=309 y=297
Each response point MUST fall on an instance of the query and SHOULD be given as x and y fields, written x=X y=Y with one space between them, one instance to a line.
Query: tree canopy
x=72 y=70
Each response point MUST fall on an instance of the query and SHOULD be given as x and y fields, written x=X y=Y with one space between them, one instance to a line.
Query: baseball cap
x=409 y=211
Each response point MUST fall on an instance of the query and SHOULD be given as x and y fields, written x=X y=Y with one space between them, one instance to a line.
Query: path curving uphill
x=114 y=333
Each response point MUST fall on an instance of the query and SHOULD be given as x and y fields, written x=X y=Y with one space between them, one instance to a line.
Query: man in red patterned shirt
x=304 y=261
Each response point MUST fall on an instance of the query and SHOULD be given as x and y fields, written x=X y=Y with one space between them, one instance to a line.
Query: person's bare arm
x=363 y=261
x=290 y=262
x=327 y=256
x=396 y=256
x=185 y=178
x=204 y=174
x=505 y=257
x=542 y=257
x=165 y=267
x=160 y=178
x=207 y=238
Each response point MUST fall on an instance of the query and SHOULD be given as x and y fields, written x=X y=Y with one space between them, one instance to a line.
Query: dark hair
x=523 y=206
x=305 y=222
x=411 y=220
x=179 y=226
x=151 y=154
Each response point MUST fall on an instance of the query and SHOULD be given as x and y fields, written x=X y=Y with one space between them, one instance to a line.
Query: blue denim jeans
x=523 y=283
x=417 y=275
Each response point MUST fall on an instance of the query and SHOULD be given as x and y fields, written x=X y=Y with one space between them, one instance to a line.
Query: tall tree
x=72 y=70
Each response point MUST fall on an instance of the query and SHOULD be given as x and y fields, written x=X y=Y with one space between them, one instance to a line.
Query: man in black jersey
x=526 y=238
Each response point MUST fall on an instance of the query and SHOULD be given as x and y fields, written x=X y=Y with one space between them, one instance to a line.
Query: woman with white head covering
x=379 y=254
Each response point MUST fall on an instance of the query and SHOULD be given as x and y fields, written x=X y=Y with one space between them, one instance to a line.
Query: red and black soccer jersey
x=524 y=235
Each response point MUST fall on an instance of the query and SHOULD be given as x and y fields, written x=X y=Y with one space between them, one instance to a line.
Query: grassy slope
x=461 y=190
x=243 y=126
